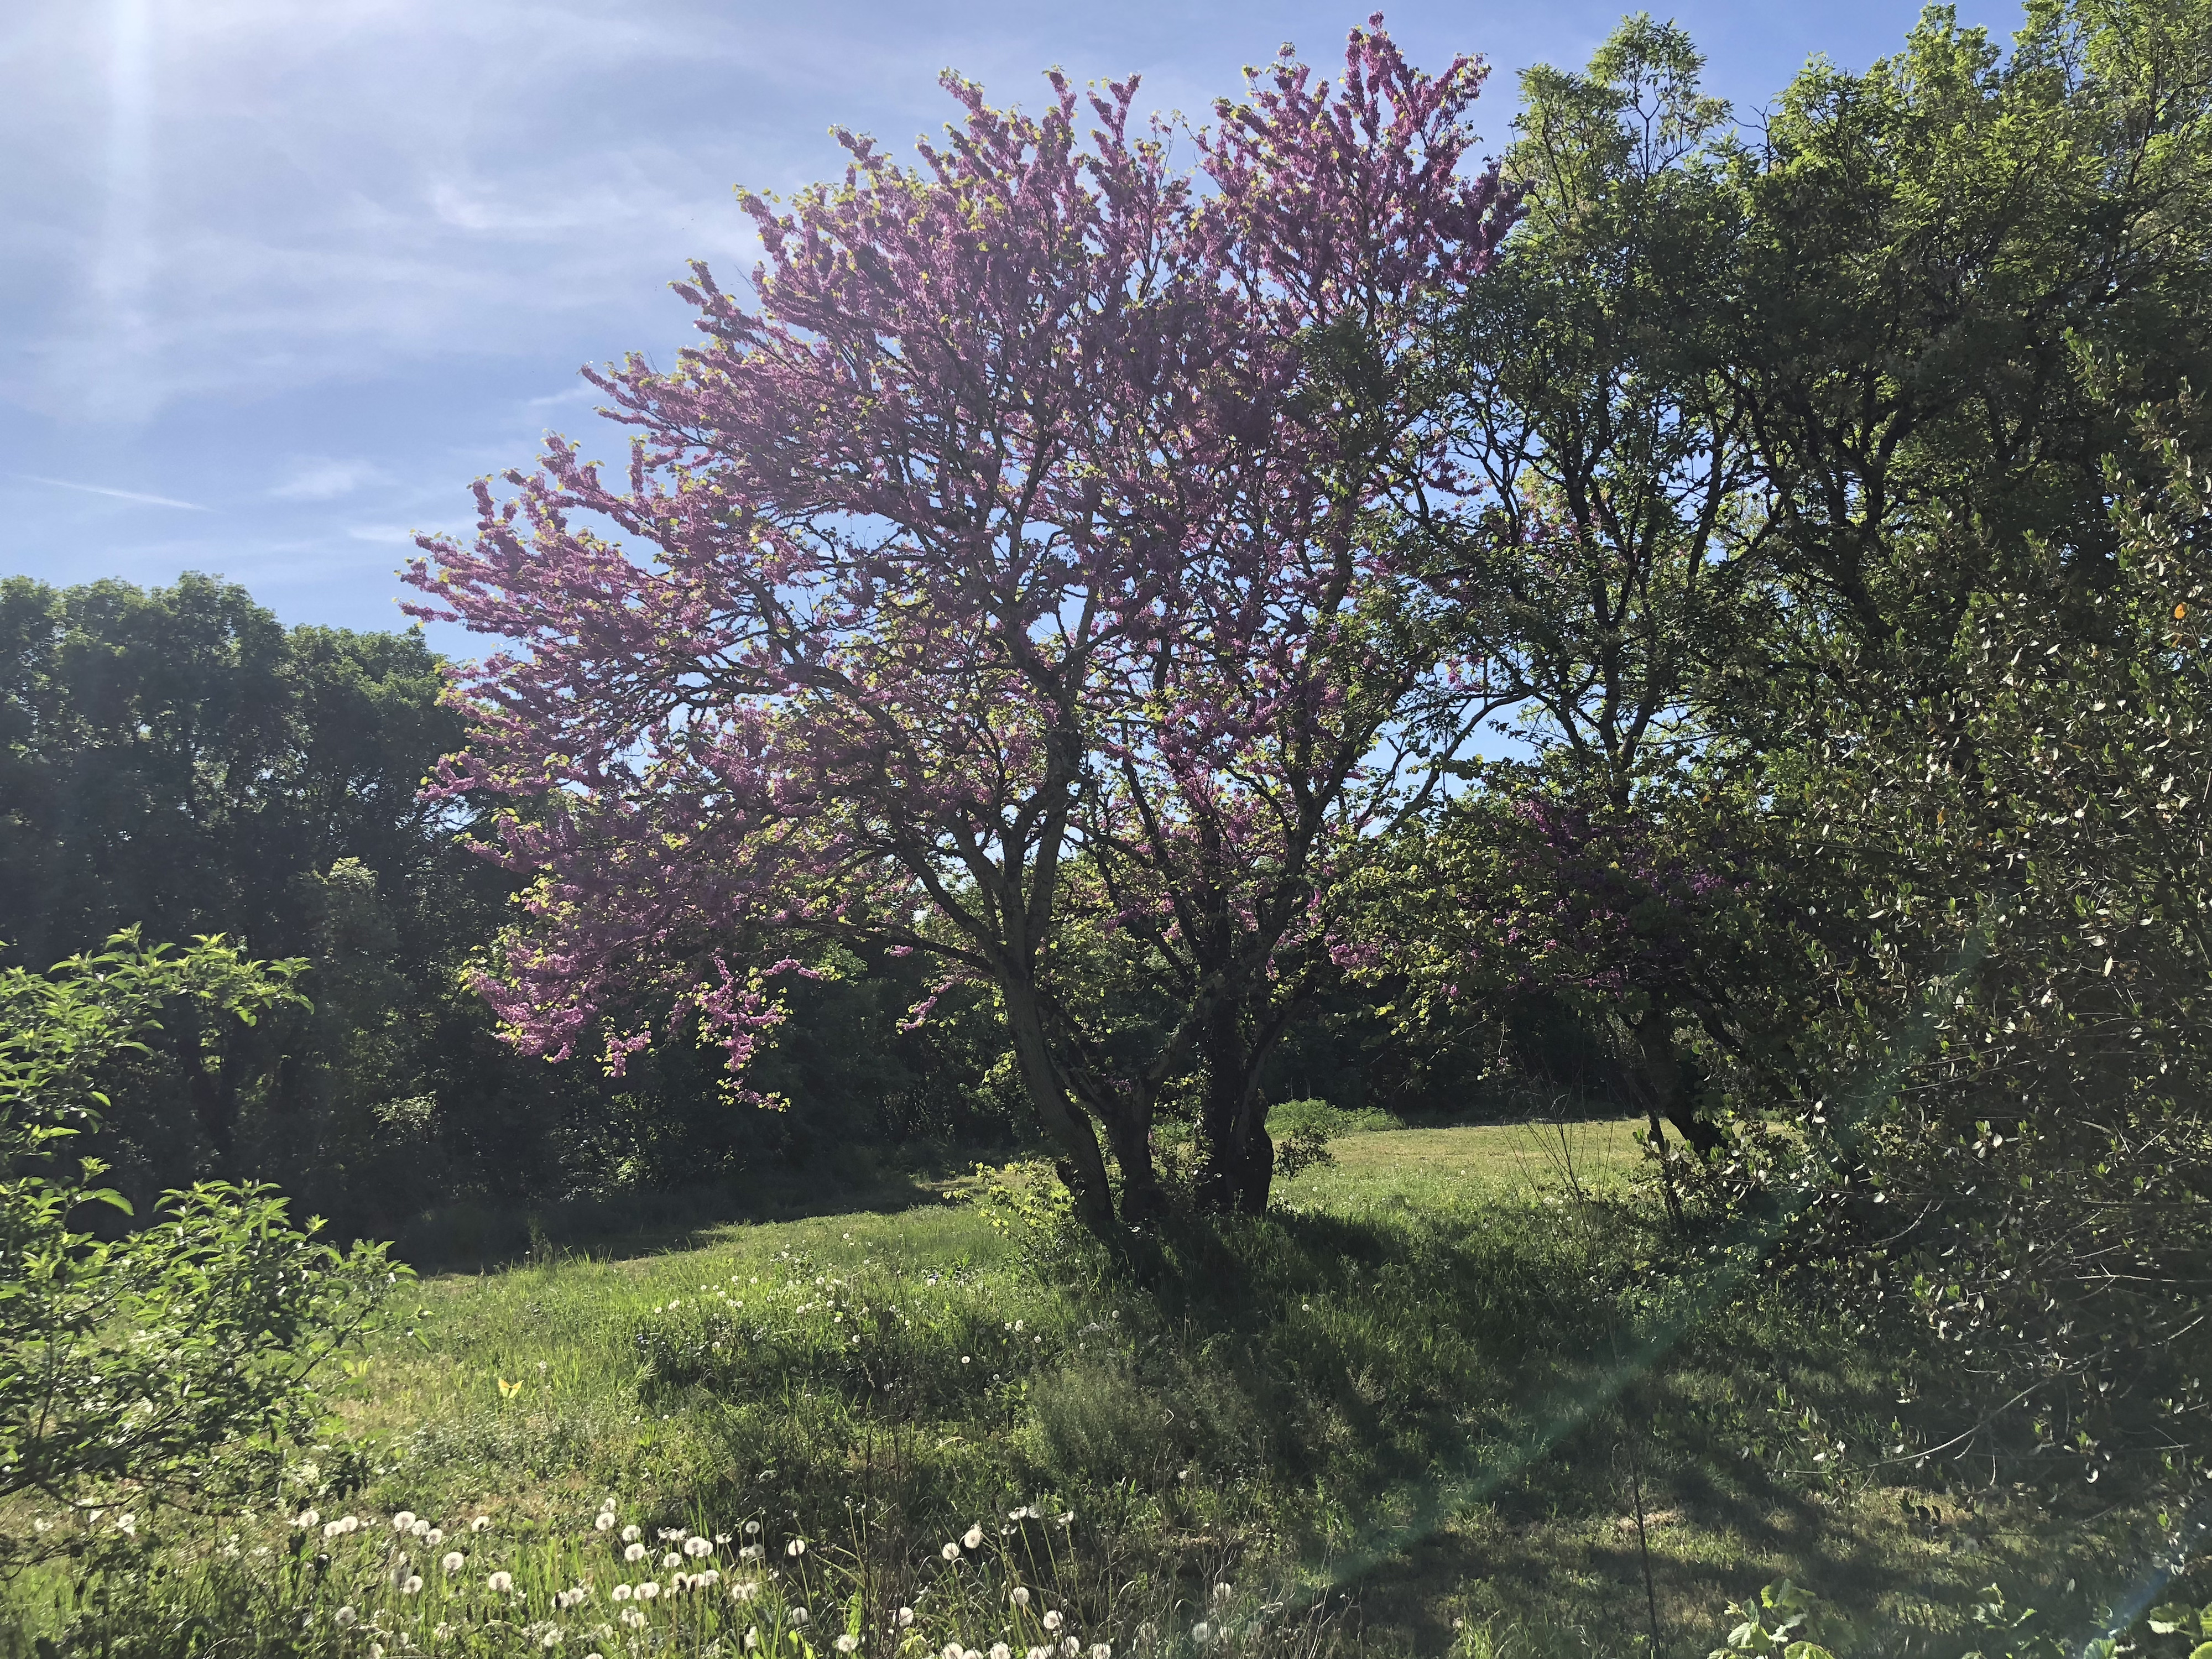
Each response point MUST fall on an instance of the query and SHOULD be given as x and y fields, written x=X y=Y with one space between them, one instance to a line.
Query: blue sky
x=282 y=276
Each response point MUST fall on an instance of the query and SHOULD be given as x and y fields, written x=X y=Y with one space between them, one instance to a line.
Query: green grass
x=1405 y=1413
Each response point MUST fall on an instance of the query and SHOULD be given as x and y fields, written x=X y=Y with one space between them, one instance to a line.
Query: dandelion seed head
x=905 y=1618
x=480 y=1524
x=634 y=1553
x=647 y=1590
x=345 y=1618
x=308 y=1518
x=671 y=1559
x=413 y=1586
x=403 y=1521
x=951 y=1551
x=631 y=1535
x=453 y=1561
x=846 y=1643
x=1201 y=1632
x=798 y=1617
x=1021 y=1596
x=606 y=1520
x=696 y=1547
x=1102 y=1650
x=499 y=1581
x=752 y=1529
x=1000 y=1650
x=622 y=1592
x=973 y=1537
x=1053 y=1621
x=434 y=1537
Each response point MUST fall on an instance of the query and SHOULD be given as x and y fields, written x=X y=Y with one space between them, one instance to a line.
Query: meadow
x=1442 y=1399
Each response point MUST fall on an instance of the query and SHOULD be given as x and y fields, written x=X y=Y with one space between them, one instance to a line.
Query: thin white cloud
x=389 y=534
x=138 y=495
x=325 y=480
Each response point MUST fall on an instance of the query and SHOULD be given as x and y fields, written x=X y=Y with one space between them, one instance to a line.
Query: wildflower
x=906 y=1617
x=751 y=1553
x=620 y=1592
x=1070 y=1647
x=331 y=1529
x=973 y=1537
x=434 y=1537
x=952 y=1651
x=951 y=1551
x=634 y=1553
x=671 y=1559
x=480 y=1524
x=403 y=1521
x=796 y=1547
x=1053 y=1621
x=308 y=1518
x=669 y=1534
x=798 y=1617
x=127 y=1523
x=413 y=1586
x=752 y=1637
x=1000 y=1650
x=1021 y=1596
x=696 y=1547
x=345 y=1618
x=631 y=1535
x=1201 y=1632
x=1102 y=1650
x=1039 y=1653
x=552 y=1638
x=500 y=1582
x=744 y=1589
x=752 y=1529
x=606 y=1520
x=647 y=1590
x=376 y=1650
x=706 y=1579
x=453 y=1561
x=419 y=1528
x=846 y=1643
x=633 y=1617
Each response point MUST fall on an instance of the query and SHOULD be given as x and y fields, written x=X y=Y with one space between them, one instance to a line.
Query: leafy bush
x=145 y=1358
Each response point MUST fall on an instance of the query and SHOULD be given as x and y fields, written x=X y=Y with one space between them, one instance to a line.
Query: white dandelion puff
x=973 y=1537
x=696 y=1547
x=620 y=1592
x=951 y=1551
x=1053 y=1621
x=606 y=1520
x=906 y=1617
x=846 y=1643
x=631 y=1535
x=647 y=1590
x=403 y=1521
x=453 y=1561
x=500 y=1582
x=480 y=1524
x=796 y=1547
x=1021 y=1596
x=413 y=1586
x=345 y=1618
x=634 y=1553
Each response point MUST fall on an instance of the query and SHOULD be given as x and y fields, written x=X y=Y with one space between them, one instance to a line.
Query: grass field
x=1411 y=1411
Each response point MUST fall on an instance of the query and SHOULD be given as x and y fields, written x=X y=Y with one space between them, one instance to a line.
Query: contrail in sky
x=119 y=495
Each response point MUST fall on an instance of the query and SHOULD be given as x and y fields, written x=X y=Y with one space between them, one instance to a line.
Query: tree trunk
x=1236 y=1160
x=1083 y=1166
x=1668 y=1088
x=1127 y=1114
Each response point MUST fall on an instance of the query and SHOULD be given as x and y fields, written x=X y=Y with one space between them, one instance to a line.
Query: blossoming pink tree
x=1027 y=516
